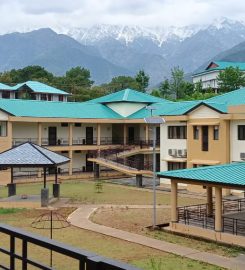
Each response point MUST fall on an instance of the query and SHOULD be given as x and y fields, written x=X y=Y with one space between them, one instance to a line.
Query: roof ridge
x=126 y=94
x=35 y=146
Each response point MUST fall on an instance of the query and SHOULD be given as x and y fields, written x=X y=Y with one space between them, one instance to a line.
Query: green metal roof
x=5 y=87
x=227 y=174
x=35 y=108
x=128 y=95
x=236 y=97
x=221 y=66
x=39 y=88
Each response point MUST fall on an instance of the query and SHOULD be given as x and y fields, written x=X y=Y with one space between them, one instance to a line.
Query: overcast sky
x=29 y=14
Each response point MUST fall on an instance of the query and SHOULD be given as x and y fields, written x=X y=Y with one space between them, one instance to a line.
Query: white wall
x=166 y=144
x=25 y=130
x=208 y=79
x=236 y=146
x=3 y=116
x=203 y=112
x=126 y=108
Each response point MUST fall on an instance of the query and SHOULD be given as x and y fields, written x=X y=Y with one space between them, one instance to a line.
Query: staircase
x=123 y=159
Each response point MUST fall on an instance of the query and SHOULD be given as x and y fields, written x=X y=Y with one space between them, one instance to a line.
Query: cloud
x=22 y=14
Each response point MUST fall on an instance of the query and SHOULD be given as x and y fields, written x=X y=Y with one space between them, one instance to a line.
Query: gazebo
x=219 y=218
x=33 y=156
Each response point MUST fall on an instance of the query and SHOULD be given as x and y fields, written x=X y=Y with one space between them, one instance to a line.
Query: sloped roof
x=128 y=95
x=39 y=88
x=30 y=155
x=55 y=109
x=220 y=65
x=236 y=97
x=227 y=174
x=5 y=87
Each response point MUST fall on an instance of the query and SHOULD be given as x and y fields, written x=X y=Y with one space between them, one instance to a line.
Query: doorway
x=89 y=164
x=89 y=135
x=131 y=135
x=52 y=135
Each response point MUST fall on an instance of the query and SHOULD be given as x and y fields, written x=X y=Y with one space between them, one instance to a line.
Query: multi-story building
x=195 y=133
x=32 y=90
x=208 y=77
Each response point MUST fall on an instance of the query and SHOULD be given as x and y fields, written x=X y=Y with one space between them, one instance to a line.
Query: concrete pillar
x=209 y=201
x=44 y=197
x=139 y=180
x=98 y=133
x=11 y=189
x=39 y=133
x=56 y=190
x=124 y=134
x=218 y=209
x=146 y=133
x=70 y=134
x=174 y=201
x=70 y=163
x=96 y=170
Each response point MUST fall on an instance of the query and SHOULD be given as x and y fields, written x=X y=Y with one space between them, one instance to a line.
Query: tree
x=164 y=89
x=120 y=83
x=143 y=80
x=177 y=83
x=230 y=79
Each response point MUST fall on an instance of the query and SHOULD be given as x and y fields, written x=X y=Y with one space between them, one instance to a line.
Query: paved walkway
x=80 y=218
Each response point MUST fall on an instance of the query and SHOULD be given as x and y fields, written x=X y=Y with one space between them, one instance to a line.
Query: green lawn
x=143 y=257
x=84 y=192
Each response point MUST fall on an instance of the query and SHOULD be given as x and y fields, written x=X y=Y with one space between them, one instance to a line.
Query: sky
x=18 y=15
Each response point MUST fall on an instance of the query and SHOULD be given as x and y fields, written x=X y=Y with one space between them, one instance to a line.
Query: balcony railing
x=87 y=141
x=82 y=258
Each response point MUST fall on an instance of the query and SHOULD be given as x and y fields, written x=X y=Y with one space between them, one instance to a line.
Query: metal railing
x=231 y=206
x=196 y=215
x=82 y=258
x=233 y=225
x=18 y=141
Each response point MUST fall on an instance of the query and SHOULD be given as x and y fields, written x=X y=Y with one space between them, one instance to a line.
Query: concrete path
x=80 y=218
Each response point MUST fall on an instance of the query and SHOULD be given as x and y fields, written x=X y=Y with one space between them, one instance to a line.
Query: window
x=241 y=132
x=216 y=132
x=195 y=132
x=177 y=132
x=49 y=97
x=176 y=165
x=64 y=124
x=61 y=98
x=204 y=138
x=3 y=129
x=78 y=124
x=5 y=94
x=43 y=97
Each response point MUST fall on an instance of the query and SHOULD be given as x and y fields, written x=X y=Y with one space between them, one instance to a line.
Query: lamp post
x=154 y=121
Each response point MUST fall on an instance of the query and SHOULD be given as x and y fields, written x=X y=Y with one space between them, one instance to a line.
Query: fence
x=85 y=259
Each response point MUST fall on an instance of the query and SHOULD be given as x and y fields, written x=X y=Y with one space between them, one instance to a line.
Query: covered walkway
x=218 y=218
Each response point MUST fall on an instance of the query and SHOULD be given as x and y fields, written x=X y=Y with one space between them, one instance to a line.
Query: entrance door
x=52 y=135
x=205 y=138
x=130 y=135
x=89 y=135
x=157 y=135
x=89 y=164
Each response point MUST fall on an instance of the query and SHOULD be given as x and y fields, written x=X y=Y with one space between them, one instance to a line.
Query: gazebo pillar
x=44 y=190
x=11 y=185
x=174 y=201
x=209 y=201
x=218 y=209
x=56 y=185
x=124 y=134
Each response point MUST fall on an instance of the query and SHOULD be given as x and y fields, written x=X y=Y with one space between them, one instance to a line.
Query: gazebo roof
x=31 y=155
x=232 y=174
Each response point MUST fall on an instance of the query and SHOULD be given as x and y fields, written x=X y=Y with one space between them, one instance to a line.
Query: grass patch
x=94 y=242
x=172 y=262
x=135 y=220
x=6 y=211
x=84 y=192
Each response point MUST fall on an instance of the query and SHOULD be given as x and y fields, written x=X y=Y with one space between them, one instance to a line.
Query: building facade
x=208 y=77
